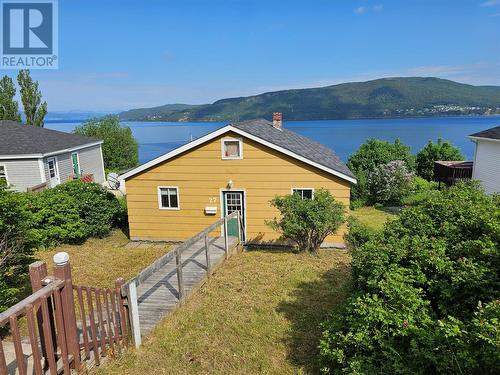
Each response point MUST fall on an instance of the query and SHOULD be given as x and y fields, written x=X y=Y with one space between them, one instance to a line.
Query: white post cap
x=61 y=258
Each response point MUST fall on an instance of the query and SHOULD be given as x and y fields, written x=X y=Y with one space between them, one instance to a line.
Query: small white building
x=486 y=166
x=34 y=158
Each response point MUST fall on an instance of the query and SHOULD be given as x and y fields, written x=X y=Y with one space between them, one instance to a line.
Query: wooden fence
x=71 y=327
x=129 y=289
x=63 y=338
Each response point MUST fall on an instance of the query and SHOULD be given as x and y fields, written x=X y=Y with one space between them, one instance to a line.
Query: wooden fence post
x=38 y=271
x=62 y=271
x=134 y=314
x=121 y=307
x=180 y=279
x=226 y=242
x=207 y=254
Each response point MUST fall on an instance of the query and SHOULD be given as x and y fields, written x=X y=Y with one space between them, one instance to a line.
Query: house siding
x=201 y=173
x=22 y=173
x=90 y=163
x=486 y=167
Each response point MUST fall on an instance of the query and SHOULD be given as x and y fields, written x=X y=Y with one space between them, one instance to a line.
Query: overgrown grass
x=372 y=217
x=99 y=262
x=260 y=313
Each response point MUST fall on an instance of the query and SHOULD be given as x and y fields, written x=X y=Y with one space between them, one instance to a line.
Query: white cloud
x=365 y=9
x=360 y=10
x=490 y=3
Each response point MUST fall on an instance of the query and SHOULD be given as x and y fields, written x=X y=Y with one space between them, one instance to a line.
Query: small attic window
x=232 y=148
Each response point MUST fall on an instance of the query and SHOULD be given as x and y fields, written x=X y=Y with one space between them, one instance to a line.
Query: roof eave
x=51 y=153
x=224 y=130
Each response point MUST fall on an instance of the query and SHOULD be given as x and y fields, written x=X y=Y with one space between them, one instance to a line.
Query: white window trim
x=78 y=160
x=56 y=168
x=6 y=175
x=240 y=145
x=302 y=188
x=221 y=195
x=178 y=198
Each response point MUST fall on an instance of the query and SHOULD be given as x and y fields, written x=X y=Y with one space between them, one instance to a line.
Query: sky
x=120 y=54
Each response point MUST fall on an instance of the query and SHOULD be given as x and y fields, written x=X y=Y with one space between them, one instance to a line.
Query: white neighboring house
x=32 y=158
x=486 y=167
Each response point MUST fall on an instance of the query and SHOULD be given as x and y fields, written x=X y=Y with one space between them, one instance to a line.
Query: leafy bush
x=120 y=149
x=389 y=183
x=435 y=151
x=307 y=222
x=420 y=191
x=357 y=233
x=372 y=154
x=425 y=295
x=16 y=245
x=73 y=212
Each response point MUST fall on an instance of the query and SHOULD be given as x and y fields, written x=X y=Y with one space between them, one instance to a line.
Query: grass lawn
x=373 y=217
x=99 y=262
x=259 y=313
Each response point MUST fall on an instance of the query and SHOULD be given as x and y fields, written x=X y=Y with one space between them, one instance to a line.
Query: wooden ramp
x=159 y=294
x=161 y=287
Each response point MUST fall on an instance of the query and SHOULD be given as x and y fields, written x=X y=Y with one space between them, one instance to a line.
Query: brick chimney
x=277 y=123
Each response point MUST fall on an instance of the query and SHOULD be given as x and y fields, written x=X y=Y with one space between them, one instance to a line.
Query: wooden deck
x=159 y=294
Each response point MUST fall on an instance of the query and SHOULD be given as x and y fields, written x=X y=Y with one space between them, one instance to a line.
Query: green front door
x=233 y=201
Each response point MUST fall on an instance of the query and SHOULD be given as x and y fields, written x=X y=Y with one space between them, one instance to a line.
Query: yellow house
x=239 y=167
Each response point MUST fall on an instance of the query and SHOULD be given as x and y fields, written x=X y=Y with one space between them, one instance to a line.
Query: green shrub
x=16 y=245
x=307 y=222
x=357 y=233
x=73 y=212
x=425 y=295
x=421 y=190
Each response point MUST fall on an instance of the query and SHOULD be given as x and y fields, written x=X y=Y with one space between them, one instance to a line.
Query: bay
x=343 y=136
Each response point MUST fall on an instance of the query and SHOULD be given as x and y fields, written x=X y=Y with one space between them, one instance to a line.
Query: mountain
x=154 y=113
x=386 y=97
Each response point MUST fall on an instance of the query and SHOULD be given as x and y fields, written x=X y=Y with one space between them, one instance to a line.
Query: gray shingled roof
x=295 y=143
x=493 y=133
x=19 y=139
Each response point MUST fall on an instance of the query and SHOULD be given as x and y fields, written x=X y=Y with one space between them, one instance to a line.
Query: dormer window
x=232 y=148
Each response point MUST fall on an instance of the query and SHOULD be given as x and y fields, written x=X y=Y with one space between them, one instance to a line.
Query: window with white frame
x=3 y=175
x=168 y=197
x=232 y=148
x=304 y=193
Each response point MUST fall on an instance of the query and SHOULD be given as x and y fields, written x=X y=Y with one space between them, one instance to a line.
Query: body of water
x=343 y=136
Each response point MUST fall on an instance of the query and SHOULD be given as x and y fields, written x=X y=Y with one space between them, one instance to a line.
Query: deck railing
x=129 y=289
x=59 y=341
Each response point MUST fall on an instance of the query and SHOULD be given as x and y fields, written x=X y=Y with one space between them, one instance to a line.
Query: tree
x=390 y=183
x=120 y=149
x=31 y=97
x=307 y=222
x=435 y=151
x=372 y=154
x=9 y=108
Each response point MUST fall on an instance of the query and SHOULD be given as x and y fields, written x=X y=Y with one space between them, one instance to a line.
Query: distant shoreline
x=75 y=121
